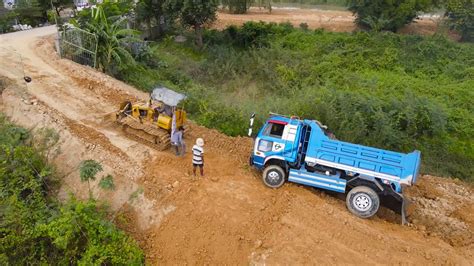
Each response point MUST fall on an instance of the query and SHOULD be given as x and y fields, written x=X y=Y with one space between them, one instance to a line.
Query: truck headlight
x=265 y=145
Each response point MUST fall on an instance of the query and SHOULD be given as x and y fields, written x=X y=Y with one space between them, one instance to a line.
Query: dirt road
x=227 y=217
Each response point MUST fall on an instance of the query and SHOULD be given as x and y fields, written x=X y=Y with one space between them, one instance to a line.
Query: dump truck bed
x=373 y=162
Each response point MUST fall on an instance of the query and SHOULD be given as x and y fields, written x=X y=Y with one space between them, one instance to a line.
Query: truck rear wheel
x=363 y=201
x=273 y=176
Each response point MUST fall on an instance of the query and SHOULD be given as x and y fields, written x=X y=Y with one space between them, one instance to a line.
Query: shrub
x=304 y=26
x=36 y=229
x=256 y=34
x=387 y=15
x=107 y=182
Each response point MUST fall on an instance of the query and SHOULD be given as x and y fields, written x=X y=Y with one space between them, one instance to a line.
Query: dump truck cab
x=277 y=142
x=305 y=152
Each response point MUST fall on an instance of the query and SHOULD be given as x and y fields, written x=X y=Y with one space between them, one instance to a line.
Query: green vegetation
x=88 y=171
x=7 y=19
x=111 y=34
x=388 y=15
x=135 y=194
x=60 y=5
x=35 y=228
x=378 y=89
x=30 y=12
x=460 y=15
x=237 y=6
x=107 y=182
x=152 y=14
x=194 y=14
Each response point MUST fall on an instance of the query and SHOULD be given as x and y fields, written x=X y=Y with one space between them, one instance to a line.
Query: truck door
x=279 y=138
x=274 y=131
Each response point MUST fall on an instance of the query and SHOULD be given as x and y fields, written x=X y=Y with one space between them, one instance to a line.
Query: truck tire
x=363 y=201
x=273 y=176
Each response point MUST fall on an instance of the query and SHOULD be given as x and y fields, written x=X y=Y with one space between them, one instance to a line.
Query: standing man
x=198 y=156
x=178 y=142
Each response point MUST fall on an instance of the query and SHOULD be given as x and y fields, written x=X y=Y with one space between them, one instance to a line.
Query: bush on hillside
x=36 y=229
x=388 y=15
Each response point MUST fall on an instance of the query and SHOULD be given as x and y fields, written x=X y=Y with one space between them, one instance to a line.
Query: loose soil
x=228 y=216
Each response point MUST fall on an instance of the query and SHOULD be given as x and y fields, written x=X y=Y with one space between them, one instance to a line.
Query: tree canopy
x=195 y=14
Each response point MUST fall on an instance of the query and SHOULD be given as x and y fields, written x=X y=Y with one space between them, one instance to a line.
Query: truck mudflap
x=396 y=202
x=403 y=211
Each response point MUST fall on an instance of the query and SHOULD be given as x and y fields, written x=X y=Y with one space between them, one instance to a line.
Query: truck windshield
x=274 y=130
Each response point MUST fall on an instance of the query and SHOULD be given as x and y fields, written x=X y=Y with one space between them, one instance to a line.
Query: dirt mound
x=228 y=216
x=444 y=208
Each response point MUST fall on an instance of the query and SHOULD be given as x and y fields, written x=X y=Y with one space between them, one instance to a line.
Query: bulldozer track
x=153 y=137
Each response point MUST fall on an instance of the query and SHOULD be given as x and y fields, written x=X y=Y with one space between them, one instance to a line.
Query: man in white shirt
x=198 y=156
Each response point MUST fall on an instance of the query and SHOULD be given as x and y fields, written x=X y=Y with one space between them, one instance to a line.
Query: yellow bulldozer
x=153 y=121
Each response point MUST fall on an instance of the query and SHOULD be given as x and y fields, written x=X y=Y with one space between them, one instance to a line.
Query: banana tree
x=112 y=33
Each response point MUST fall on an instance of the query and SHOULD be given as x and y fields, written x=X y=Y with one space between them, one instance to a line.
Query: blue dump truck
x=305 y=152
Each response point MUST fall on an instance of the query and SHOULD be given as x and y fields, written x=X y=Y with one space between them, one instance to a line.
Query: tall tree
x=460 y=14
x=154 y=15
x=195 y=14
x=388 y=14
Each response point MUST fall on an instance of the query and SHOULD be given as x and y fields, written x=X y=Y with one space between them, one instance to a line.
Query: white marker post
x=252 y=117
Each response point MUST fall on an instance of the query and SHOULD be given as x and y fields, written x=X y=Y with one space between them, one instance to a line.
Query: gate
x=79 y=46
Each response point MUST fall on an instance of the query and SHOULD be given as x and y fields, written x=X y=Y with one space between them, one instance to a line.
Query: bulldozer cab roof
x=167 y=96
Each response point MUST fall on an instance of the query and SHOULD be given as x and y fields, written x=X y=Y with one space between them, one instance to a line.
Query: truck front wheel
x=273 y=176
x=363 y=201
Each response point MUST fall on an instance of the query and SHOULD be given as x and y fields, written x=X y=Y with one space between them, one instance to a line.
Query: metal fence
x=79 y=46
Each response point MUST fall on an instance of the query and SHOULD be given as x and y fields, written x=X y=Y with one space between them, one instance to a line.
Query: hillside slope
x=227 y=217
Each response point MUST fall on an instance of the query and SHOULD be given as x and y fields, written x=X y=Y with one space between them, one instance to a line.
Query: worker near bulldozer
x=177 y=141
x=198 y=156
